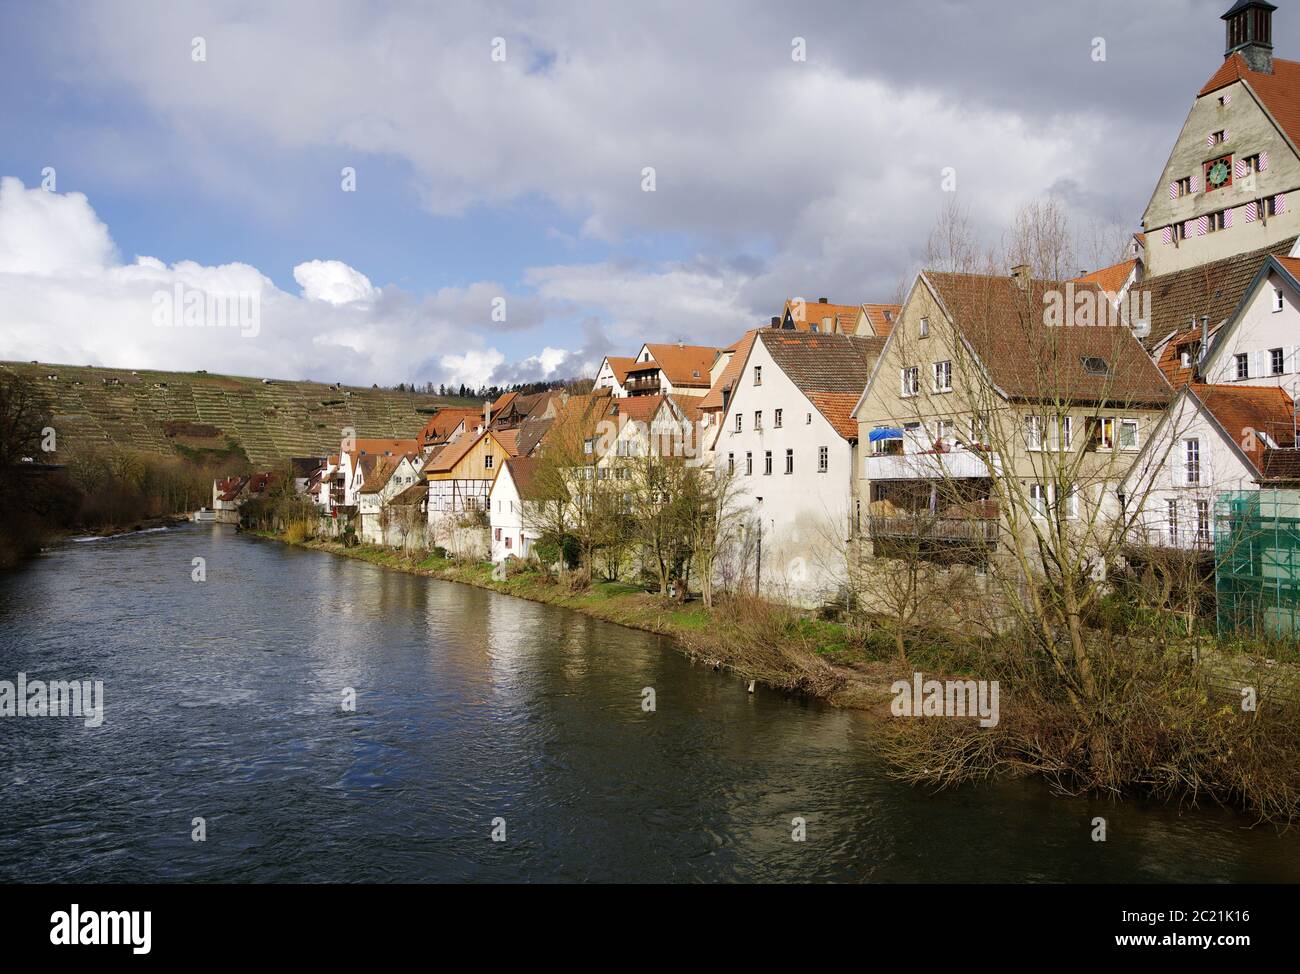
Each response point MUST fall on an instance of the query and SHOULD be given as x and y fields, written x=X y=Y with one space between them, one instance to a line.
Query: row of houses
x=1137 y=393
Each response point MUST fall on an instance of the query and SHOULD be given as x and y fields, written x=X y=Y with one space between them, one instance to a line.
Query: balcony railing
x=927 y=466
x=642 y=384
x=922 y=527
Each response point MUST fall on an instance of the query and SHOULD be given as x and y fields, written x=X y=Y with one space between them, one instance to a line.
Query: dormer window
x=1095 y=365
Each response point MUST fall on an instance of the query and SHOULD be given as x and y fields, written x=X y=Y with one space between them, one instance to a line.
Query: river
x=224 y=701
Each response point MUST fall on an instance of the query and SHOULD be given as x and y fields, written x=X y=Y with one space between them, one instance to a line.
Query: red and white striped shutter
x=1279 y=203
x=1202 y=225
x=1167 y=234
x=1173 y=189
x=1189 y=228
x=1263 y=161
x=1226 y=135
x=1209 y=139
x=1252 y=212
x=1196 y=182
x=1239 y=169
x=1227 y=218
x=1227 y=99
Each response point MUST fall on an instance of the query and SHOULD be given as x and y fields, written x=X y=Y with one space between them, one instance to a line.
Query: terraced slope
x=169 y=412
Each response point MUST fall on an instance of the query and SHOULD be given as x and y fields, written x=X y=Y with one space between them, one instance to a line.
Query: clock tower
x=1250 y=32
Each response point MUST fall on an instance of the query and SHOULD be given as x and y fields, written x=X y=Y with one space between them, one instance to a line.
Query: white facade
x=1261 y=345
x=370 y=504
x=607 y=378
x=794 y=474
x=511 y=535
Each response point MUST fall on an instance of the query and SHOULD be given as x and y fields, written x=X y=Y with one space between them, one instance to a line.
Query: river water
x=224 y=701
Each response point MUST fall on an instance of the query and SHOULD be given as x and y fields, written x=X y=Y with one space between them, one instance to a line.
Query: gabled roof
x=713 y=399
x=1110 y=279
x=446 y=459
x=1002 y=322
x=688 y=406
x=831 y=370
x=387 y=447
x=638 y=409
x=1262 y=409
x=377 y=471
x=1214 y=289
x=844 y=316
x=531 y=432
x=412 y=494
x=522 y=472
x=444 y=422
x=1279 y=92
x=619 y=364
x=685 y=365
x=881 y=317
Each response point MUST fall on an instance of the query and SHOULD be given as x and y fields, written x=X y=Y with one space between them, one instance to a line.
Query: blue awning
x=884 y=433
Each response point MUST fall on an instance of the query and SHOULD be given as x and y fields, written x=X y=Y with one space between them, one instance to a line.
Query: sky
x=493 y=192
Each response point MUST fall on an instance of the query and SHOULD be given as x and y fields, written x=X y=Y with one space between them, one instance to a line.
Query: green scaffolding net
x=1257 y=562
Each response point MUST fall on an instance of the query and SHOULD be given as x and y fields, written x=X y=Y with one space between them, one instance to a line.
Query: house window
x=498 y=534
x=1185 y=186
x=758 y=375
x=1215 y=222
x=776 y=418
x=1243 y=366
x=1128 y=434
x=1102 y=436
x=508 y=545
x=789 y=461
x=1192 y=460
x=925 y=325
x=1034 y=432
x=808 y=420
x=487 y=461
x=911 y=380
x=1251 y=163
x=1275 y=360
x=1203 y=521
x=1219 y=137
x=943 y=377
x=1038 y=500
x=758 y=419
x=749 y=463
x=740 y=422
x=1067 y=432
x=823 y=459
x=731 y=464
x=979 y=427
x=767 y=462
x=1171 y=518
x=946 y=437
x=1277 y=299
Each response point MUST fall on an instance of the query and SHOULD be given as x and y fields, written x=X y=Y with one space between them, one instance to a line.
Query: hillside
x=197 y=413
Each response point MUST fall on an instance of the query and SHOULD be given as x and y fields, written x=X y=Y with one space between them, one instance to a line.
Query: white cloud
x=65 y=297
x=332 y=281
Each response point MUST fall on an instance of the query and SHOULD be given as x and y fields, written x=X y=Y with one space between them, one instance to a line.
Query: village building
x=1229 y=185
x=513 y=527
x=679 y=368
x=787 y=438
x=612 y=374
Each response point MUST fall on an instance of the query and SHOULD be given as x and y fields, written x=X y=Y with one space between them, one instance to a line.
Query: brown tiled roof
x=837 y=407
x=522 y=471
x=1109 y=279
x=444 y=422
x=689 y=405
x=1002 y=321
x=531 y=433
x=1212 y=289
x=450 y=455
x=377 y=472
x=1281 y=467
x=823 y=363
x=638 y=408
x=502 y=401
x=882 y=317
x=230 y=487
x=685 y=365
x=1239 y=409
x=1279 y=91
x=1170 y=361
x=712 y=400
x=413 y=494
x=386 y=447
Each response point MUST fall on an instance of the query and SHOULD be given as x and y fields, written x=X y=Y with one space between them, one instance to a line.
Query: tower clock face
x=1218 y=173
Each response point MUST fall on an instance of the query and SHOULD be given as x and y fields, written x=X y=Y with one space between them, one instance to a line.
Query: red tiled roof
x=882 y=317
x=1110 y=279
x=386 y=447
x=619 y=364
x=837 y=407
x=1279 y=92
x=712 y=400
x=522 y=471
x=1242 y=409
x=685 y=365
x=844 y=316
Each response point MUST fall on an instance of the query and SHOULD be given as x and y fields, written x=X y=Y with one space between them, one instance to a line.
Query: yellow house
x=461 y=474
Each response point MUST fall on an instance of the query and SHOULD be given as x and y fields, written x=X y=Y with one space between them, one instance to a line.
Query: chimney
x=487 y=413
x=1020 y=274
x=823 y=300
x=1205 y=343
x=776 y=321
x=1249 y=32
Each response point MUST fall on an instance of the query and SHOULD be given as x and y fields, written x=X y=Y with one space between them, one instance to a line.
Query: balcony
x=951 y=465
x=975 y=531
x=642 y=384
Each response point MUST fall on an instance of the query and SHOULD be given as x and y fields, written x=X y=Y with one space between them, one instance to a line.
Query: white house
x=612 y=374
x=513 y=531
x=380 y=479
x=788 y=437
x=1259 y=345
x=1211 y=439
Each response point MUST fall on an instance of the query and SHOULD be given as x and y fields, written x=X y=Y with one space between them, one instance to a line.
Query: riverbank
x=775 y=646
